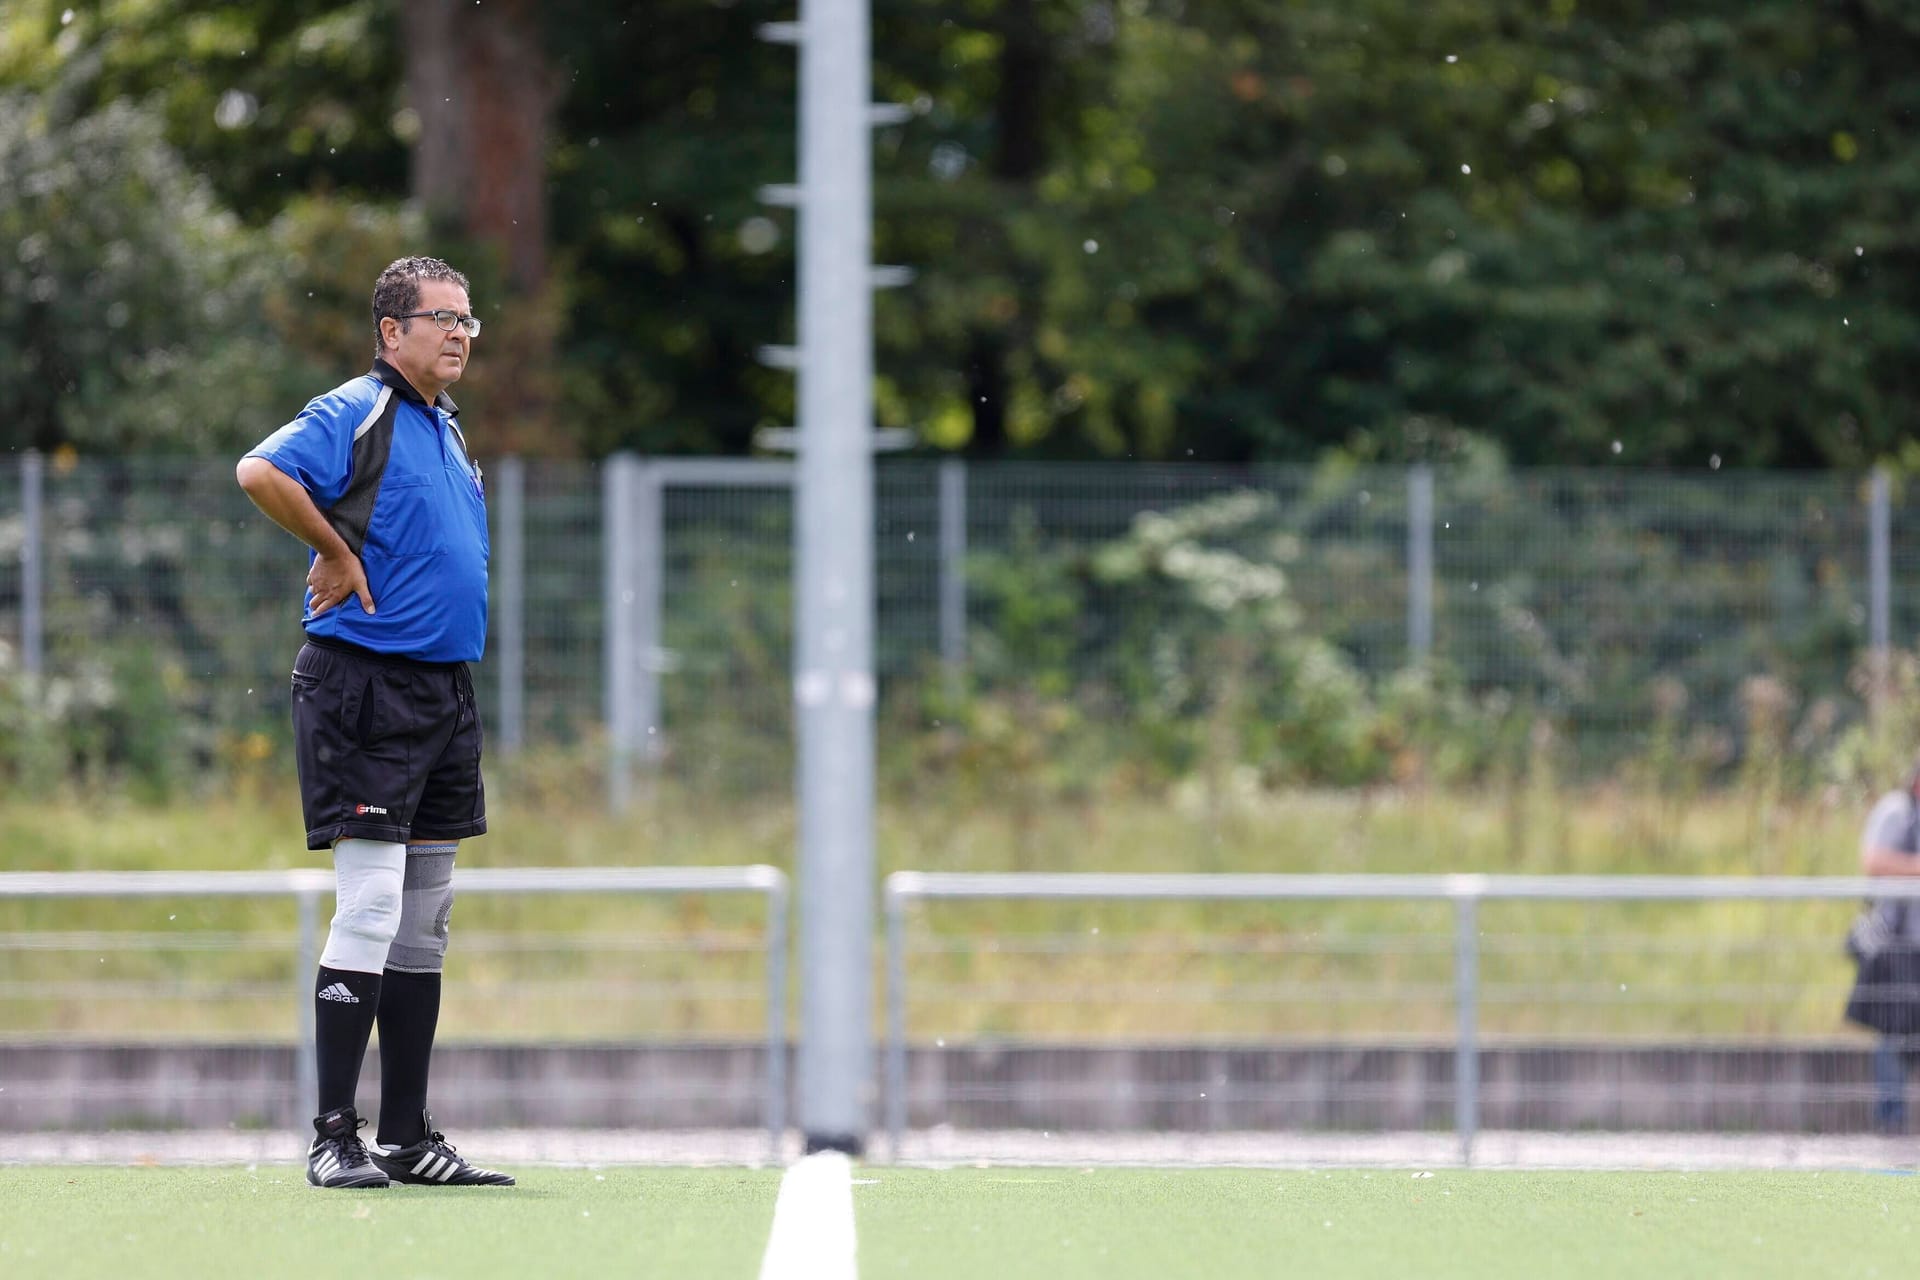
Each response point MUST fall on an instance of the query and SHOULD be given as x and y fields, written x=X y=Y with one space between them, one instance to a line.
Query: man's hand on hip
x=333 y=578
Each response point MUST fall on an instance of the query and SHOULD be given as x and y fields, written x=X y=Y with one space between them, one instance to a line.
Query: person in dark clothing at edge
x=375 y=477
x=1885 y=992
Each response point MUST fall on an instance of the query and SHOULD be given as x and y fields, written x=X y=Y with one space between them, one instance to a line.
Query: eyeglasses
x=447 y=320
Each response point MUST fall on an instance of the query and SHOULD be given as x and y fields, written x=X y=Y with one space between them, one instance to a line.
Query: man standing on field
x=374 y=476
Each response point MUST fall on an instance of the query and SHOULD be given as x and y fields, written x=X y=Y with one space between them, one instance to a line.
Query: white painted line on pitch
x=812 y=1237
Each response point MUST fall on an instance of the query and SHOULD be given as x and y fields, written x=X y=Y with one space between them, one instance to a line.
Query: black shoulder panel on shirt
x=372 y=443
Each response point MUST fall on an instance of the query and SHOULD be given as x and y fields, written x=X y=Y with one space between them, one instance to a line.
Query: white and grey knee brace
x=425 y=908
x=367 y=893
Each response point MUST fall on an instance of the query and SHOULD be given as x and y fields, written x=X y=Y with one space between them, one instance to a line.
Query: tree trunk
x=1019 y=157
x=479 y=80
x=987 y=390
x=1026 y=62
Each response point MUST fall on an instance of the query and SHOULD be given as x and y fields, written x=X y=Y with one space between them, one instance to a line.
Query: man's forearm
x=282 y=500
x=1879 y=860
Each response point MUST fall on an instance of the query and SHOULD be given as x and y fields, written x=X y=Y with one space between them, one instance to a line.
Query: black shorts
x=388 y=748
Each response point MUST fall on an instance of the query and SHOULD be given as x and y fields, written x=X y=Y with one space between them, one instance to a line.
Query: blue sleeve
x=316 y=448
x=1890 y=825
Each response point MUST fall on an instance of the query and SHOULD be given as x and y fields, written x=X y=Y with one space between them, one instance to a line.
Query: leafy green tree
x=1654 y=233
x=1553 y=227
x=674 y=115
x=265 y=101
x=1283 y=228
x=127 y=295
x=1249 y=229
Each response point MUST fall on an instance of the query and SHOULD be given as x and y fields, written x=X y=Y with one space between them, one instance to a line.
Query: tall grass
x=1534 y=824
x=605 y=968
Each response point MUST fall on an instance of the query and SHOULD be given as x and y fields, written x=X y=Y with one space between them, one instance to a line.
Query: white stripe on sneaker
x=453 y=1167
x=425 y=1160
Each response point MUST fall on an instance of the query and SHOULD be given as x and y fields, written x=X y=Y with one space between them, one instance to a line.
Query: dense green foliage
x=129 y=316
x=1582 y=231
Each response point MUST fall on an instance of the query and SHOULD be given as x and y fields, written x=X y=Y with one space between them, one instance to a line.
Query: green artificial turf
x=969 y=1224
x=1122 y=1224
x=201 y=1223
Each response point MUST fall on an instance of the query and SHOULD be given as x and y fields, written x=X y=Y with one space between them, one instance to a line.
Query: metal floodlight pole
x=833 y=681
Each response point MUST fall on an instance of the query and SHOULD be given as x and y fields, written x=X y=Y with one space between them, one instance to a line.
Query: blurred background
x=1340 y=436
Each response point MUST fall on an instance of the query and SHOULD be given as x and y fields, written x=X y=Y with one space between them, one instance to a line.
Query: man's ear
x=389 y=337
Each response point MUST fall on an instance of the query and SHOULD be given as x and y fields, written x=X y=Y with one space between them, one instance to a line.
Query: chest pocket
x=406 y=518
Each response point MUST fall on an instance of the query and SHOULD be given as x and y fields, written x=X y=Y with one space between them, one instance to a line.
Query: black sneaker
x=337 y=1157
x=432 y=1162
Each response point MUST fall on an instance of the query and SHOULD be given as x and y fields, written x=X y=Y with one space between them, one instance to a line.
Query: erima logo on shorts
x=370 y=808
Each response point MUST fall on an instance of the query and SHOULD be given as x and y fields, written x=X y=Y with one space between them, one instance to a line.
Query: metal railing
x=1465 y=893
x=308 y=885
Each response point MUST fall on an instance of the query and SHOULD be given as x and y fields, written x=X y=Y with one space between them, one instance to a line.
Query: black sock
x=409 y=1013
x=344 y=1002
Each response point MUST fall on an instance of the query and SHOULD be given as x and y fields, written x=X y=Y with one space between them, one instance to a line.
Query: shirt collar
x=398 y=381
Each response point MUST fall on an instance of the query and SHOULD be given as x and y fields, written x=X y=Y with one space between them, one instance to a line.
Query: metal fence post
x=619 y=486
x=1466 y=1053
x=1419 y=565
x=33 y=515
x=953 y=566
x=649 y=530
x=776 y=1103
x=306 y=962
x=1879 y=581
x=512 y=608
x=896 y=978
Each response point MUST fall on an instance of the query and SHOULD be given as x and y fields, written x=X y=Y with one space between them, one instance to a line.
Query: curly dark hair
x=397 y=291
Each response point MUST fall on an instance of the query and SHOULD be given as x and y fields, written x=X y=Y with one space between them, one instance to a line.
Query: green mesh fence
x=1147 y=599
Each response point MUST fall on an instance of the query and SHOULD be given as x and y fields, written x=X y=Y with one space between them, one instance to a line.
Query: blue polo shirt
x=425 y=540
